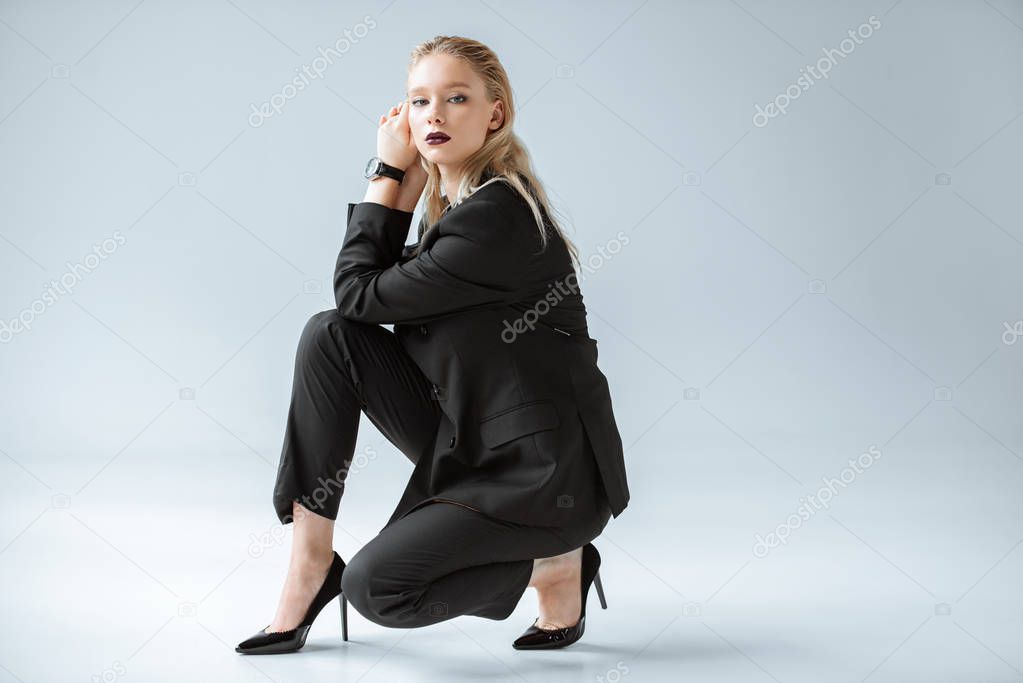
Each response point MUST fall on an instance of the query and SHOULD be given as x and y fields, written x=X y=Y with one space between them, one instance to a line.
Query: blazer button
x=451 y=444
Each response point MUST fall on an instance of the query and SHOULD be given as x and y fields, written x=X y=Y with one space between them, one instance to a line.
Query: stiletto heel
x=600 y=590
x=344 y=617
x=536 y=638
x=278 y=642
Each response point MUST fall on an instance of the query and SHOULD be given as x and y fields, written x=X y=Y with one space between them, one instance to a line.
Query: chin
x=440 y=156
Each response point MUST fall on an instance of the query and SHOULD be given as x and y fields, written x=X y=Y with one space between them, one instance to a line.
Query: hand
x=395 y=145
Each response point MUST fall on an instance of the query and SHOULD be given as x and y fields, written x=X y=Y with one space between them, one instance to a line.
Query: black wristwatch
x=376 y=168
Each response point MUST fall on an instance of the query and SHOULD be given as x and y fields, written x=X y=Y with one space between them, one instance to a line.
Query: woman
x=488 y=382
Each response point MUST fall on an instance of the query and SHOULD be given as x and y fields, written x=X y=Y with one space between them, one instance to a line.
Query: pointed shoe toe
x=275 y=642
x=278 y=642
x=536 y=638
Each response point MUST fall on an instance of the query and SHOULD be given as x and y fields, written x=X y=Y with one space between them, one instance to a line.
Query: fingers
x=391 y=113
x=399 y=111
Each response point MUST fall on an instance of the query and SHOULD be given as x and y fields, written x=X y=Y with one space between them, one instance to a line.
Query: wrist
x=382 y=190
x=409 y=194
x=407 y=205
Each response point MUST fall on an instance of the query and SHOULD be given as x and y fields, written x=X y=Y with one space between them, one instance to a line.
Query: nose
x=433 y=116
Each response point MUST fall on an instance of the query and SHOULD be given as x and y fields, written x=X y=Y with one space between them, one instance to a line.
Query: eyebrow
x=453 y=84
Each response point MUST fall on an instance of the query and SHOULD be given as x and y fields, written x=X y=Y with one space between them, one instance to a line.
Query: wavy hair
x=502 y=158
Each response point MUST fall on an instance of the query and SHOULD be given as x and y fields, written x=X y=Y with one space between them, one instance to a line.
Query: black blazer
x=499 y=329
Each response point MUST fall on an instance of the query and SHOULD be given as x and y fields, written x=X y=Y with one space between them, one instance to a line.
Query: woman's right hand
x=395 y=145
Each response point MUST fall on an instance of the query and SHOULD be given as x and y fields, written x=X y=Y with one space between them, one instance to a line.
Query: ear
x=497 y=115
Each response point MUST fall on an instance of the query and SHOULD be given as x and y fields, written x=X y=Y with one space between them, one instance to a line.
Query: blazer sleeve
x=473 y=263
x=406 y=252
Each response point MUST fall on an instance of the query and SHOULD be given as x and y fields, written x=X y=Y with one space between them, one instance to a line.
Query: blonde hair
x=502 y=158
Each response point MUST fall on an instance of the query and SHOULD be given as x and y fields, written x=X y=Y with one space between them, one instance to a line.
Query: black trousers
x=440 y=561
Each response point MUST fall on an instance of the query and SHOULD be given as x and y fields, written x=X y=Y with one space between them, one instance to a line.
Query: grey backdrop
x=775 y=296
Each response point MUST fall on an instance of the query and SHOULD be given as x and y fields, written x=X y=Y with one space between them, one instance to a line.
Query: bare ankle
x=311 y=560
x=552 y=570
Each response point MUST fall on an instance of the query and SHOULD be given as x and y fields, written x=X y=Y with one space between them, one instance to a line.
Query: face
x=446 y=96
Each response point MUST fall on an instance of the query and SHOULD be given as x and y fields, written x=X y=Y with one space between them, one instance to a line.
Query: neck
x=448 y=180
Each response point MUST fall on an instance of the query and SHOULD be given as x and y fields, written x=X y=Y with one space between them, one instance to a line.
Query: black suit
x=515 y=425
x=527 y=433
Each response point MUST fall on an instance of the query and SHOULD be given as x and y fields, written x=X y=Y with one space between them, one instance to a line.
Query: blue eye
x=459 y=97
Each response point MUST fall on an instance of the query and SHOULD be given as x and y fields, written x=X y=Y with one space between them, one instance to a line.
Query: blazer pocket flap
x=519 y=421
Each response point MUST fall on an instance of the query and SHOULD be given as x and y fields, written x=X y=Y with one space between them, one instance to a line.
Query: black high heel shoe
x=277 y=642
x=536 y=638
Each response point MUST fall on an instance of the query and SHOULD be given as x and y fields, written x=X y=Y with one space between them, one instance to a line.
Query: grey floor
x=904 y=577
x=842 y=283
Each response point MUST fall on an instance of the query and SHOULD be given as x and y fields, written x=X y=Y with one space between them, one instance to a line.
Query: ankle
x=311 y=561
x=548 y=571
x=557 y=585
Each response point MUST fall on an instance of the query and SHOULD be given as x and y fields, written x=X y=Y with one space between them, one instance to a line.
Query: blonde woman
x=488 y=383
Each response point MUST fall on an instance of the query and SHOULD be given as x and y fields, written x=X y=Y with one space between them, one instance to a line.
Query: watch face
x=371 y=167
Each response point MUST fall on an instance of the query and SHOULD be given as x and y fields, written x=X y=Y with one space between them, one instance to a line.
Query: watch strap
x=386 y=170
